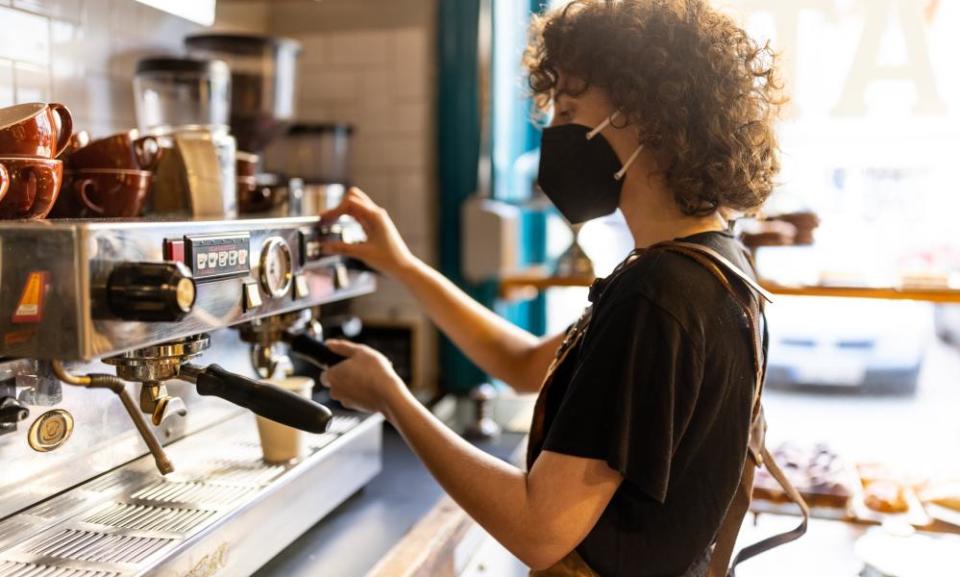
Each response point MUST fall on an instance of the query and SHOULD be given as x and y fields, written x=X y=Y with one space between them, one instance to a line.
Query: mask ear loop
x=633 y=157
x=599 y=128
x=623 y=171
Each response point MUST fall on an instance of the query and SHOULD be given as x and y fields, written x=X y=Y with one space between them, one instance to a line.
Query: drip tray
x=223 y=511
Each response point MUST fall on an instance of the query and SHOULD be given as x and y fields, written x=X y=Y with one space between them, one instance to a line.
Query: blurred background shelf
x=526 y=283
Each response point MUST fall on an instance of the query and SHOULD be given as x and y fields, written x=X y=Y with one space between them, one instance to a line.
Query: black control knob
x=156 y=292
x=12 y=411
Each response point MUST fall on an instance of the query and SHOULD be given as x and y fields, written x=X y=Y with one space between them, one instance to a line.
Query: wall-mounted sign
x=199 y=11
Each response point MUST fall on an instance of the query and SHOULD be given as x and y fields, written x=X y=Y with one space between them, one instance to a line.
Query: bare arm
x=539 y=516
x=500 y=348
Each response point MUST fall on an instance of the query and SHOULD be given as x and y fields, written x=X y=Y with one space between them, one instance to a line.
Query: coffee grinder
x=264 y=78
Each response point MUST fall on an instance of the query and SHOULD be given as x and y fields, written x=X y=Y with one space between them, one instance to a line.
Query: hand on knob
x=384 y=249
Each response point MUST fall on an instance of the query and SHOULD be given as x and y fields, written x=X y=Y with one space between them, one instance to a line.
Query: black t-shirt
x=661 y=389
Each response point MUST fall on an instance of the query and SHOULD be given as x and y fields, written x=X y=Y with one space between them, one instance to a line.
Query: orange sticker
x=30 y=307
x=19 y=337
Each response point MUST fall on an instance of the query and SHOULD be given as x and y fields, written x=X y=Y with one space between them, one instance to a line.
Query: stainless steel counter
x=349 y=541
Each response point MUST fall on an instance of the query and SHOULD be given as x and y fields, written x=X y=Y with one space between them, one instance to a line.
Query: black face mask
x=579 y=171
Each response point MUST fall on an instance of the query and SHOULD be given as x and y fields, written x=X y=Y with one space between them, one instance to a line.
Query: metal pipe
x=164 y=465
x=61 y=373
x=102 y=381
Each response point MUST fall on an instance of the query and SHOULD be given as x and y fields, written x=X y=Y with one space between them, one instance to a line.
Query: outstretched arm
x=500 y=348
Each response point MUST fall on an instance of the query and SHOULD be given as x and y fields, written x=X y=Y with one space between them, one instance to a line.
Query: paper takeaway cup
x=281 y=443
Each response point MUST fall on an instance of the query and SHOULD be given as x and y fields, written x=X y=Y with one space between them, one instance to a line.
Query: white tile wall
x=83 y=53
x=381 y=80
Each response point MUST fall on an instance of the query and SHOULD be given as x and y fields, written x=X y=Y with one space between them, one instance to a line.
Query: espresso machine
x=130 y=359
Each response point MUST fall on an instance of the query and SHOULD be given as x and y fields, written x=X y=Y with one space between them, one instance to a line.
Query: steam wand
x=103 y=381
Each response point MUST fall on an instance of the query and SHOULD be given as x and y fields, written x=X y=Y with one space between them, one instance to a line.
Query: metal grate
x=57 y=507
x=322 y=440
x=117 y=480
x=14 y=569
x=234 y=472
x=13 y=527
x=199 y=493
x=147 y=518
x=98 y=547
x=342 y=423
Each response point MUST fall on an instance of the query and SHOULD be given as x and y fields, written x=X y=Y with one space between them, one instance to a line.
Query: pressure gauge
x=276 y=267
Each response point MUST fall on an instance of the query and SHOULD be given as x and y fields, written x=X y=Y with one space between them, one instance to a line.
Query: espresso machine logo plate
x=214 y=257
x=50 y=430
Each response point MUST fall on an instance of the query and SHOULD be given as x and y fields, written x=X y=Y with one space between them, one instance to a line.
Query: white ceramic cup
x=281 y=443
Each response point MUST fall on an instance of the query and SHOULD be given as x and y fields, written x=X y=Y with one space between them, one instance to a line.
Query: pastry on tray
x=943 y=493
x=817 y=472
x=887 y=489
x=886 y=497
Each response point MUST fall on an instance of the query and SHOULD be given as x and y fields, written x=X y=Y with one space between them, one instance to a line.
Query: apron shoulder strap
x=757 y=454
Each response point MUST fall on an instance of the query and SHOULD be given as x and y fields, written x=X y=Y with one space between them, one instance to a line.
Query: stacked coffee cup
x=32 y=136
x=108 y=177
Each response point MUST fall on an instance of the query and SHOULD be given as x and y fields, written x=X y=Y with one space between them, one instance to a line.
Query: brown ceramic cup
x=254 y=197
x=4 y=181
x=103 y=193
x=247 y=164
x=77 y=141
x=122 y=151
x=33 y=189
x=35 y=130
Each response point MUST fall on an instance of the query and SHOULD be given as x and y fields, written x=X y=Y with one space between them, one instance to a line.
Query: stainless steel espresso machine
x=126 y=447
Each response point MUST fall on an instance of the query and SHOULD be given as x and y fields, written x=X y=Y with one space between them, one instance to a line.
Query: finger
x=353 y=249
x=344 y=348
x=323 y=379
x=359 y=194
x=350 y=206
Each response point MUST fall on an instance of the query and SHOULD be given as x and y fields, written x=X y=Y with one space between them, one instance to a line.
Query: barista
x=663 y=109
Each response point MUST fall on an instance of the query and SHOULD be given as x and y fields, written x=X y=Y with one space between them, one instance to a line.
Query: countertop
x=354 y=537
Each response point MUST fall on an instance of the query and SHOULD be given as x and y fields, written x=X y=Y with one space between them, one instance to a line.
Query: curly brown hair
x=703 y=93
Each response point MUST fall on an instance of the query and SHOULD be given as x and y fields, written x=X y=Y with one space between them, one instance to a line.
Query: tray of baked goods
x=826 y=482
x=867 y=493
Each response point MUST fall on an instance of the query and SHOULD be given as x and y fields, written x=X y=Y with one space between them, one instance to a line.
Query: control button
x=341 y=277
x=50 y=431
x=156 y=291
x=173 y=250
x=301 y=289
x=251 y=296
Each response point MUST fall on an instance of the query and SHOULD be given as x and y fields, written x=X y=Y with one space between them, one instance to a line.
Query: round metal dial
x=276 y=267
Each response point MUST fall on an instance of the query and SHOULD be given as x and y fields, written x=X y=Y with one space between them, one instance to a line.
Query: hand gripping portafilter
x=271 y=338
x=151 y=366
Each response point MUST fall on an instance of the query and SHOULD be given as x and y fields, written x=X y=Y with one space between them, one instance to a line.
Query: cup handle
x=38 y=203
x=4 y=181
x=148 y=151
x=81 y=187
x=66 y=126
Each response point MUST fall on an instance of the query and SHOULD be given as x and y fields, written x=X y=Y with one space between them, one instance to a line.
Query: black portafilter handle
x=313 y=350
x=264 y=399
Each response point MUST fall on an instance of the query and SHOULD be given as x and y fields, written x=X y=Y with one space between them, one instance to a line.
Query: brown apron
x=573 y=565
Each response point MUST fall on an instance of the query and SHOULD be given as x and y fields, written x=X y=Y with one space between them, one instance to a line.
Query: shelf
x=889 y=293
x=526 y=283
x=763 y=507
